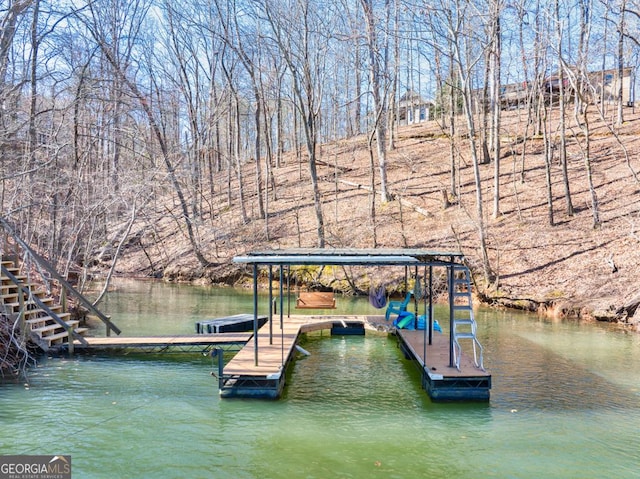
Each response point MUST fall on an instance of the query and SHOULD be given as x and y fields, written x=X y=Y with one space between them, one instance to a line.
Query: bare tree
x=495 y=54
x=580 y=82
x=95 y=24
x=379 y=94
x=245 y=46
x=298 y=34
x=562 y=100
x=461 y=37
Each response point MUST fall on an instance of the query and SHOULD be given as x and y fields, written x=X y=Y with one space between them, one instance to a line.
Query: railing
x=63 y=282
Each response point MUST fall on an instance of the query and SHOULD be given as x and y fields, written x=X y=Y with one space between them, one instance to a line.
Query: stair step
x=34 y=311
x=40 y=293
x=10 y=267
x=58 y=338
x=45 y=319
x=52 y=327
x=20 y=277
x=55 y=338
x=46 y=301
x=28 y=313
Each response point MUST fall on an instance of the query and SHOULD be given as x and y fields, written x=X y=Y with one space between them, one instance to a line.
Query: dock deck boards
x=243 y=378
x=437 y=359
x=273 y=355
x=163 y=343
x=442 y=381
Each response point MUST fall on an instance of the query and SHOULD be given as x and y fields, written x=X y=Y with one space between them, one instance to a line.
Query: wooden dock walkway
x=244 y=376
x=177 y=343
x=248 y=375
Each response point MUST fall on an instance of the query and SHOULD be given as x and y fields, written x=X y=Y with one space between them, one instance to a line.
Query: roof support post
x=430 y=306
x=450 y=271
x=255 y=314
x=406 y=279
x=270 y=304
x=416 y=287
x=288 y=291
x=427 y=323
x=282 y=311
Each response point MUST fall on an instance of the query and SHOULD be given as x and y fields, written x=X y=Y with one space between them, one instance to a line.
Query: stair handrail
x=58 y=277
x=42 y=305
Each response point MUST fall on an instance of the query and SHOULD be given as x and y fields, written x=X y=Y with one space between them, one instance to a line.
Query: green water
x=565 y=403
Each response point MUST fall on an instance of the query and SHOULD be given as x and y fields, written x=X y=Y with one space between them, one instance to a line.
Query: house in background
x=412 y=108
x=607 y=85
x=603 y=86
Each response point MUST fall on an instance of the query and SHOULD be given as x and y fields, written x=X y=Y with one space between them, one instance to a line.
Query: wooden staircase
x=41 y=318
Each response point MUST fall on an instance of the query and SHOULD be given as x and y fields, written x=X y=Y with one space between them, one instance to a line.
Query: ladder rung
x=464 y=335
x=464 y=321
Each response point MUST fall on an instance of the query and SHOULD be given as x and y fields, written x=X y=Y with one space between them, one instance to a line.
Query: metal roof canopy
x=348 y=256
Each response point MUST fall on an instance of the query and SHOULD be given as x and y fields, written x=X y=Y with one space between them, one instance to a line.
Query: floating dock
x=263 y=376
x=446 y=372
x=229 y=324
x=442 y=381
x=244 y=377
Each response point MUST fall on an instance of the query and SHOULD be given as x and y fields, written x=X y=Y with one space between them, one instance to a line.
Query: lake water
x=565 y=403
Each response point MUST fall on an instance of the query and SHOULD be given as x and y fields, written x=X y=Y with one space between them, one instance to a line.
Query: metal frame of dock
x=259 y=369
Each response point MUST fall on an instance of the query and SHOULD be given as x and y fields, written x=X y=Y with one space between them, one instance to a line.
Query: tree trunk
x=379 y=103
x=619 y=93
x=496 y=110
x=562 y=127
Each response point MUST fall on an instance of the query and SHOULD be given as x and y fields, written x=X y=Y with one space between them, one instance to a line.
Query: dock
x=263 y=375
x=244 y=377
x=229 y=324
x=442 y=381
x=201 y=343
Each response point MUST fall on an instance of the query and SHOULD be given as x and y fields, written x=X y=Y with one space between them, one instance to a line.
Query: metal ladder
x=464 y=323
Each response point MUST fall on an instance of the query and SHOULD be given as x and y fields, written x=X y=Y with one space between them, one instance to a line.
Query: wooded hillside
x=568 y=268
x=161 y=138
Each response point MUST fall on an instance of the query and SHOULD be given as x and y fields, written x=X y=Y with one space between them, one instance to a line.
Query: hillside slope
x=564 y=269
